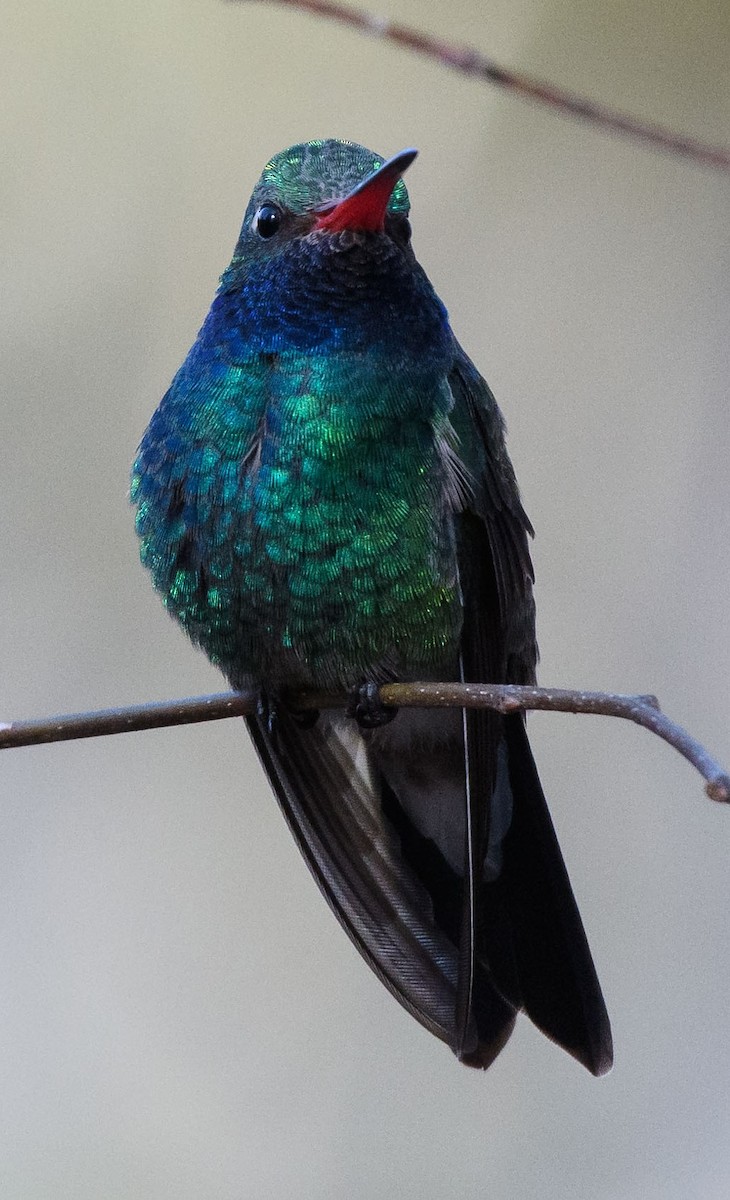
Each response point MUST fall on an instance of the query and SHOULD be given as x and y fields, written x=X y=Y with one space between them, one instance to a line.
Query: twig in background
x=505 y=698
x=472 y=62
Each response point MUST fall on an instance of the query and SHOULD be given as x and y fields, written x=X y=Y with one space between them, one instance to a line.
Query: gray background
x=180 y=1016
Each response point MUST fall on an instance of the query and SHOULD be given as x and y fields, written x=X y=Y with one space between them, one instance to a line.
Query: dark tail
x=532 y=911
x=402 y=903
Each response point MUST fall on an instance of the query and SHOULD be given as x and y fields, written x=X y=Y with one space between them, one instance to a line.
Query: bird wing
x=528 y=931
x=335 y=811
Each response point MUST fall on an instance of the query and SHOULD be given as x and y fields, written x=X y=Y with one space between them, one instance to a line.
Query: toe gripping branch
x=366 y=707
x=268 y=709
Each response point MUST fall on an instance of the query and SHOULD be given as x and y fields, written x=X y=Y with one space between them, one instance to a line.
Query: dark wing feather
x=531 y=936
x=354 y=853
x=560 y=988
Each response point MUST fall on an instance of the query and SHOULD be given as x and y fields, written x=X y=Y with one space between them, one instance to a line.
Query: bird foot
x=367 y=708
x=267 y=712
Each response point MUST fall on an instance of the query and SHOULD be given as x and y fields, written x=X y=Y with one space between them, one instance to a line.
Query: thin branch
x=507 y=698
x=472 y=62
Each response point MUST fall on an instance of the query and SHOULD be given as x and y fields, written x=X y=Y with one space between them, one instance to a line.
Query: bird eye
x=267 y=220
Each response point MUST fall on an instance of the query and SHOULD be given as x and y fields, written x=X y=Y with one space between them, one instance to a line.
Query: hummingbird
x=325 y=501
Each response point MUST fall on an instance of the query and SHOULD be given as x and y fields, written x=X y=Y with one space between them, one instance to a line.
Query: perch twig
x=505 y=698
x=471 y=62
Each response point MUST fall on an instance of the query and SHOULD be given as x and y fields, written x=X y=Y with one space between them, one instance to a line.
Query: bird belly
x=358 y=571
x=317 y=550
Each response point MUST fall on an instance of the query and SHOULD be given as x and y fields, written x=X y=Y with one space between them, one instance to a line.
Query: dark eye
x=267 y=220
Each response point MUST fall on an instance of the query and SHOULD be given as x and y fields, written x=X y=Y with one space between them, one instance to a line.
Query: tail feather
x=402 y=898
x=558 y=982
x=354 y=855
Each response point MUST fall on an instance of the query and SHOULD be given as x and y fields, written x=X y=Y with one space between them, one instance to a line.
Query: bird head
x=322 y=189
x=324 y=255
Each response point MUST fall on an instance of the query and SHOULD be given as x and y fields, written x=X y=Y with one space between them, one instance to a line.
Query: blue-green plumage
x=311 y=435
x=324 y=499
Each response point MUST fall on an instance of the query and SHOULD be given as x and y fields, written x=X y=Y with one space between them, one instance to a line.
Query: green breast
x=321 y=549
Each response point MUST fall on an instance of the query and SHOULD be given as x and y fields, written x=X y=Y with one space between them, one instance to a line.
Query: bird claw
x=267 y=713
x=367 y=708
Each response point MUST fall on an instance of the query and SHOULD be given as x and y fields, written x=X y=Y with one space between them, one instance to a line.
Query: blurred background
x=180 y=1015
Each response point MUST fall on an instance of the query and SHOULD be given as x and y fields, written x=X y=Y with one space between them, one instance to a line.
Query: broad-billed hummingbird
x=324 y=500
